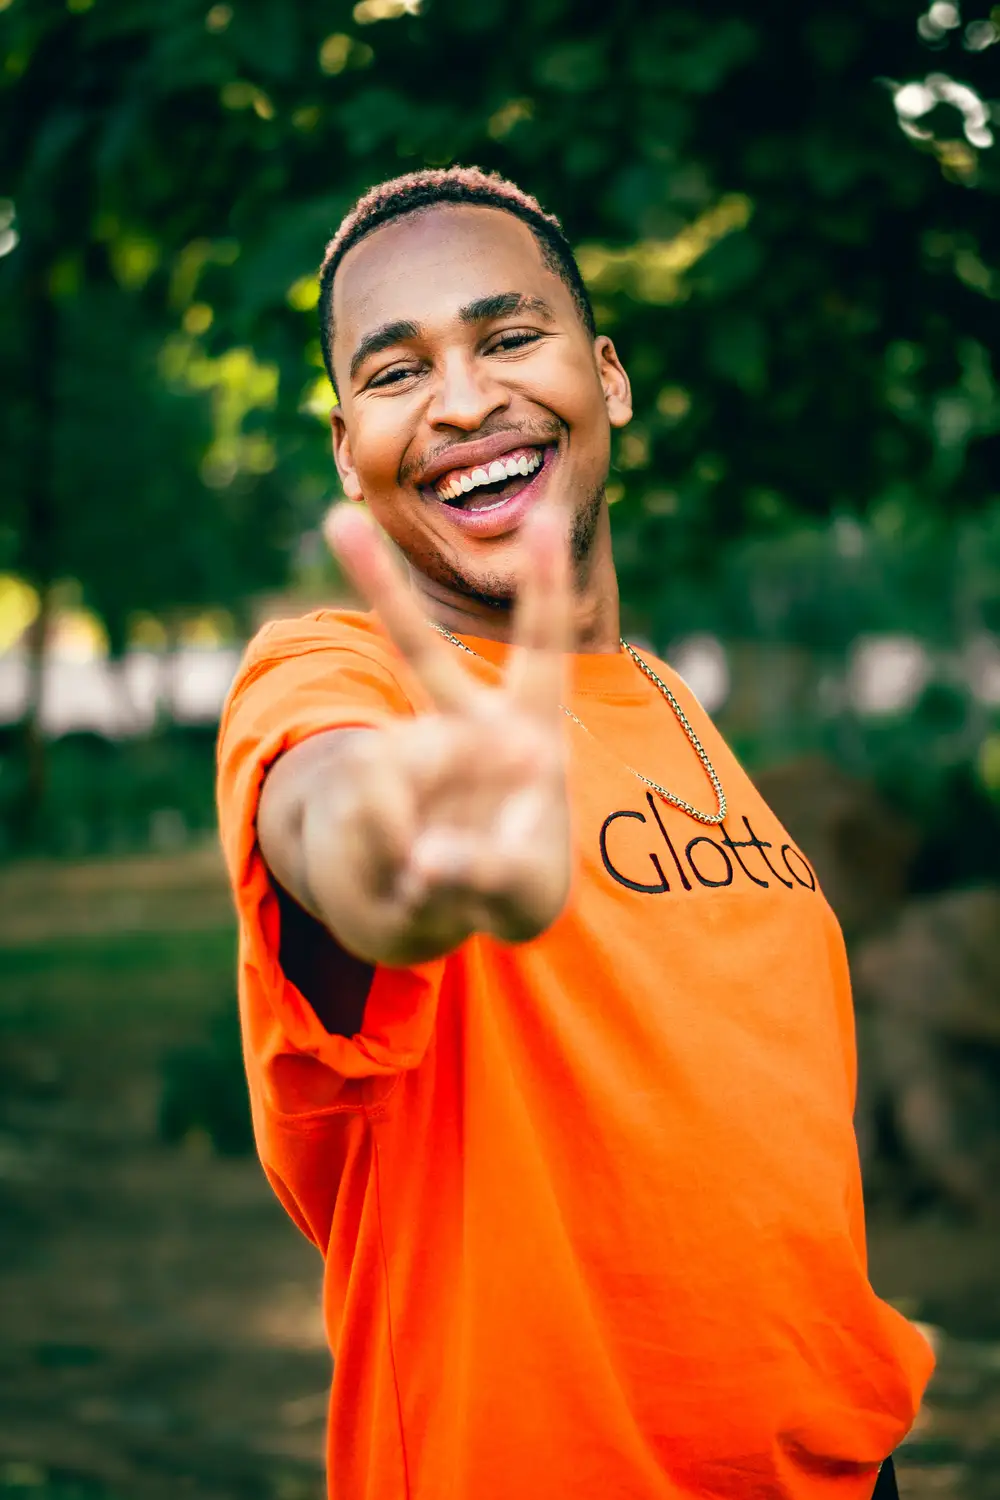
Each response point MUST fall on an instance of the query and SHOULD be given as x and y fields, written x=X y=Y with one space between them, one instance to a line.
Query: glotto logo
x=713 y=862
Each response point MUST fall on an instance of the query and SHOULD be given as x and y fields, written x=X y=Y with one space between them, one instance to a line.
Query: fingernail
x=344 y=519
x=438 y=857
x=551 y=521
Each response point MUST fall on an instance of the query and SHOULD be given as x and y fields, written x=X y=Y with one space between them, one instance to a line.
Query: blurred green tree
x=786 y=217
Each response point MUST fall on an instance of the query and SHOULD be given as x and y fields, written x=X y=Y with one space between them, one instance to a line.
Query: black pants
x=886 y=1489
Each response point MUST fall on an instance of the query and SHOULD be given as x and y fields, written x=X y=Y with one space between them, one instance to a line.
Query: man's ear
x=342 y=456
x=617 y=389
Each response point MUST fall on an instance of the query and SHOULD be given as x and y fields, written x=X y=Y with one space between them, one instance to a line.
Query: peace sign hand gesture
x=415 y=836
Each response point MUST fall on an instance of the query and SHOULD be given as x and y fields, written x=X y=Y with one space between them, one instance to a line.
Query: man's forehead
x=436 y=260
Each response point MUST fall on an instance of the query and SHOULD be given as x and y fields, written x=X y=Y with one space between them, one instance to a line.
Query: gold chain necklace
x=682 y=718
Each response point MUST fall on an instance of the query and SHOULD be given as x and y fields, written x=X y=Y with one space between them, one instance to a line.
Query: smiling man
x=548 y=1027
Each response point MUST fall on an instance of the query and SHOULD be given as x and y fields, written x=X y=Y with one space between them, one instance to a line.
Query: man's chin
x=491 y=582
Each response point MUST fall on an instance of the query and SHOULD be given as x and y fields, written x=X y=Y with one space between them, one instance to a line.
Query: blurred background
x=788 y=219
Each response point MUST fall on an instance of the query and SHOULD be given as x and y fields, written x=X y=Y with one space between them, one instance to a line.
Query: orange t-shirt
x=590 y=1208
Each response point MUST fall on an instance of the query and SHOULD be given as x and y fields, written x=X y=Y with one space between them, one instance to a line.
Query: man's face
x=469 y=391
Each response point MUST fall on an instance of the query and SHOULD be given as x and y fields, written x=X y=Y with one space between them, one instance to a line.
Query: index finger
x=536 y=678
x=355 y=541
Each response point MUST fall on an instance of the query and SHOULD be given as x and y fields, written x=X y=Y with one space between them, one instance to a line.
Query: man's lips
x=459 y=483
x=489 y=514
x=478 y=454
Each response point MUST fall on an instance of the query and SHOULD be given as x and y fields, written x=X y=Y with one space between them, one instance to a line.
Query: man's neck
x=596 y=626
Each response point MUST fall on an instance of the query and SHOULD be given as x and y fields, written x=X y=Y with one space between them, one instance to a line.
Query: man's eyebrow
x=382 y=338
x=483 y=310
x=505 y=305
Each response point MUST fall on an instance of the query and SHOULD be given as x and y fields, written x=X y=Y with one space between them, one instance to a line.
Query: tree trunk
x=33 y=741
x=38 y=558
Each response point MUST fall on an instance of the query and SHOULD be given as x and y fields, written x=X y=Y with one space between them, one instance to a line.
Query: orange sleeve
x=298 y=679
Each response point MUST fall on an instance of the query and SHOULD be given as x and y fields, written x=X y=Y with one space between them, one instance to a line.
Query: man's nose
x=465 y=394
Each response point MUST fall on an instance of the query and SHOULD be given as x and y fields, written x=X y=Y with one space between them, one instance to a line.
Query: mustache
x=531 y=437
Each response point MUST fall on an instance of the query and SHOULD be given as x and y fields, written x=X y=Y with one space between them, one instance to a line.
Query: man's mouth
x=486 y=486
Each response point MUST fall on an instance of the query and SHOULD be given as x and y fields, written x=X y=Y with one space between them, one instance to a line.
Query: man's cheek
x=378 y=466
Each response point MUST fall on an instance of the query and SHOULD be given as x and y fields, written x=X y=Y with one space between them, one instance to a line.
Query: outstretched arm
x=403 y=841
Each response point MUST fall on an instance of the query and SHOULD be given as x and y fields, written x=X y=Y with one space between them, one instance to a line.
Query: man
x=548 y=1027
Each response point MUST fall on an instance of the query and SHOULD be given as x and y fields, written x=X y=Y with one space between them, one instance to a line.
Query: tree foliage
x=805 y=292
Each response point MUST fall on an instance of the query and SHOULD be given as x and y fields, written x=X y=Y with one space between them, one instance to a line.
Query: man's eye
x=390 y=377
x=513 y=341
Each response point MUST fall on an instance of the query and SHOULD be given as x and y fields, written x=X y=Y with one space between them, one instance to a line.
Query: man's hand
x=404 y=841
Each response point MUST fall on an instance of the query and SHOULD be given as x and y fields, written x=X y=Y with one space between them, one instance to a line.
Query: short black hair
x=420 y=190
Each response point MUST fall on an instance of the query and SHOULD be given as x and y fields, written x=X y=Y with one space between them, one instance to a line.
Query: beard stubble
x=496 y=592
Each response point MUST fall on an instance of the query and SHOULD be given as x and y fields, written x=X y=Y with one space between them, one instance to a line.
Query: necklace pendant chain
x=711 y=819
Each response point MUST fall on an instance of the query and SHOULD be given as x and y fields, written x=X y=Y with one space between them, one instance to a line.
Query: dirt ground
x=161 y=1328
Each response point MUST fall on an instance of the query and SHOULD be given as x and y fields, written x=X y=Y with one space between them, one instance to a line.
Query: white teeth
x=498 y=470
